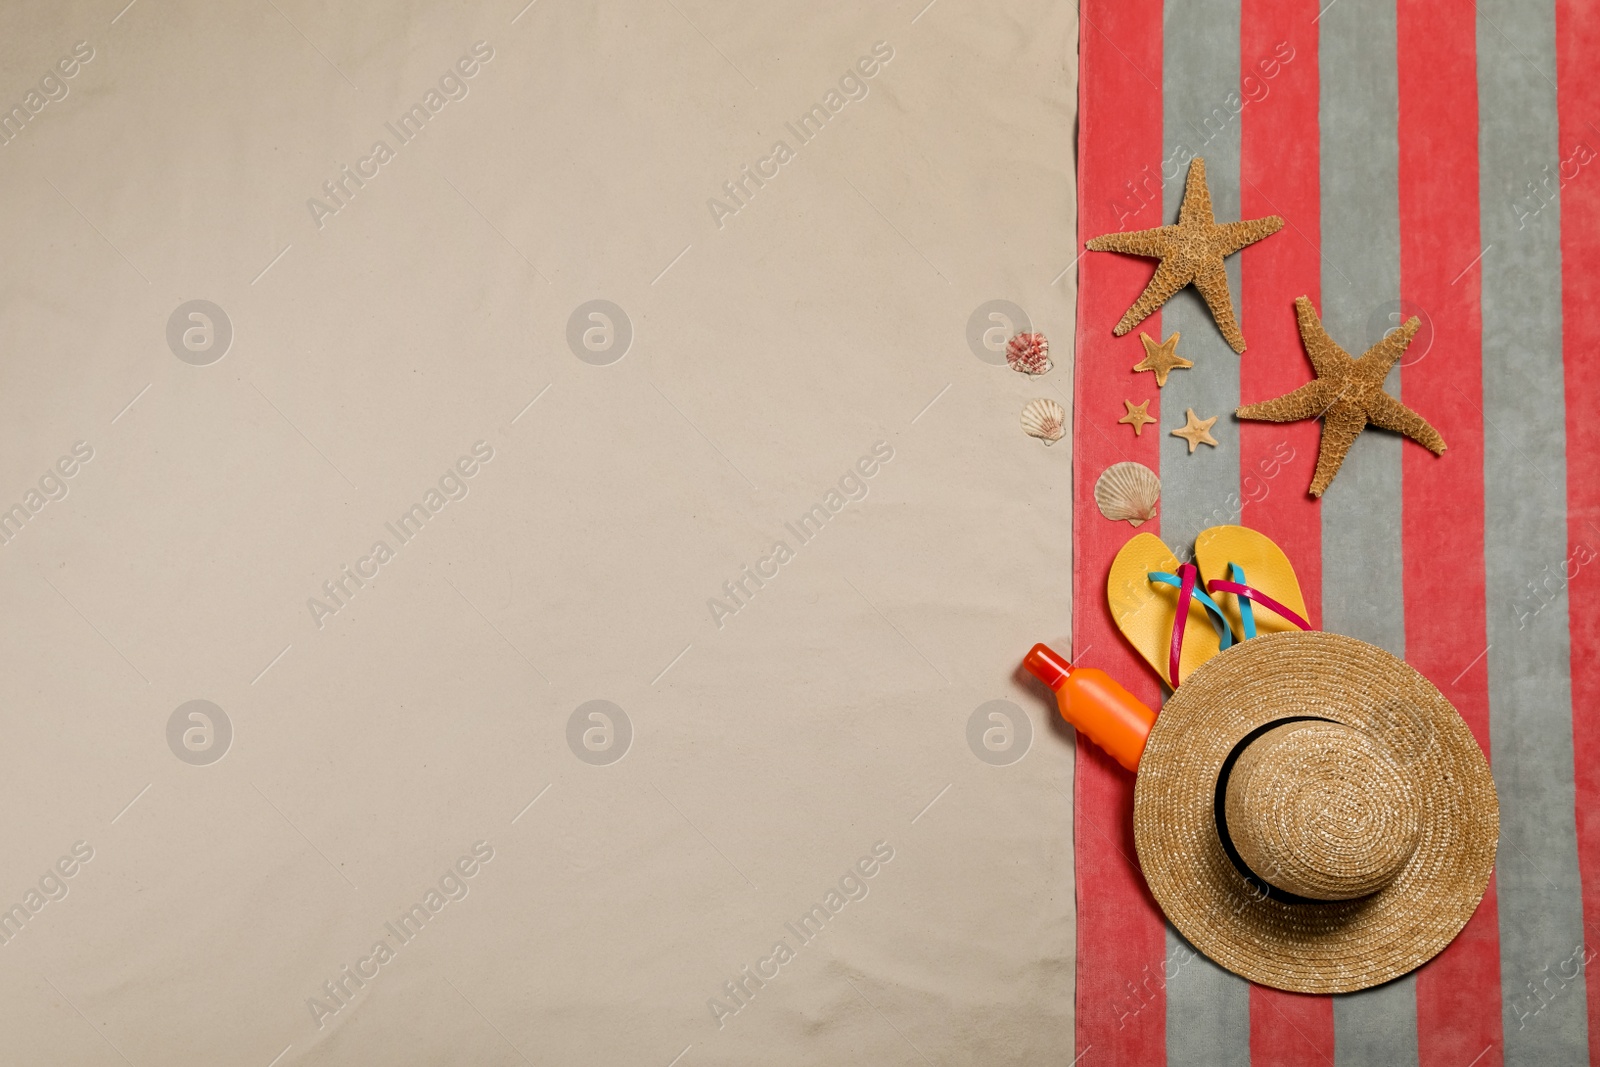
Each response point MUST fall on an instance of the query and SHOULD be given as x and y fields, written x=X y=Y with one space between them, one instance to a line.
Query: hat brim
x=1284 y=942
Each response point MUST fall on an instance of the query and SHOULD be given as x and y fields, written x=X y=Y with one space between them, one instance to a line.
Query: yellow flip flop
x=1252 y=580
x=1161 y=609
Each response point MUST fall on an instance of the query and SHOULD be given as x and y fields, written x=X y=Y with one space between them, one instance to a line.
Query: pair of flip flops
x=1178 y=615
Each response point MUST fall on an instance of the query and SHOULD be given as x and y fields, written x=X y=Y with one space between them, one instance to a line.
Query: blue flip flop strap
x=1247 y=612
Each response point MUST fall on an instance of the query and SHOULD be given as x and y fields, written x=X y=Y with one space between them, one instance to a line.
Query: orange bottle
x=1095 y=705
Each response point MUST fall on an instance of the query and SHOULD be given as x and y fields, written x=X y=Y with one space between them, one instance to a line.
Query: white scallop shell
x=1044 y=419
x=1128 y=491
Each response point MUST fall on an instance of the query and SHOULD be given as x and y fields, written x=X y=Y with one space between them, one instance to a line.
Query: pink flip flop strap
x=1184 y=582
x=1186 y=575
x=1258 y=597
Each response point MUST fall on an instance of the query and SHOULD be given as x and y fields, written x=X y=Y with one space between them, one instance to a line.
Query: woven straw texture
x=1321 y=810
x=1390 y=782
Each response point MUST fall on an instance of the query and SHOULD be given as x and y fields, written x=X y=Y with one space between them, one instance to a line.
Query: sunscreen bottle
x=1095 y=705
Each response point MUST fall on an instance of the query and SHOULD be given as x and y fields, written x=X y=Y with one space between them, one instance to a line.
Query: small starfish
x=1161 y=358
x=1196 y=431
x=1191 y=251
x=1136 y=417
x=1346 y=394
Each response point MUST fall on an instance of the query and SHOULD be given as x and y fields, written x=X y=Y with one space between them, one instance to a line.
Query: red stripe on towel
x=1458 y=993
x=1578 y=106
x=1121 y=1003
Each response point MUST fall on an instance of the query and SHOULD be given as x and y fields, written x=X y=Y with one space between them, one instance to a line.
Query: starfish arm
x=1321 y=349
x=1213 y=285
x=1232 y=236
x=1306 y=402
x=1165 y=282
x=1152 y=243
x=1390 y=414
x=1376 y=362
x=1340 y=428
x=1196 y=205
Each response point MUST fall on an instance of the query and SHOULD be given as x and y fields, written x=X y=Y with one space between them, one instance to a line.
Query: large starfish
x=1191 y=251
x=1347 y=393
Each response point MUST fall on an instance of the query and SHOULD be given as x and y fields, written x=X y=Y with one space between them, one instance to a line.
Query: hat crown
x=1322 y=810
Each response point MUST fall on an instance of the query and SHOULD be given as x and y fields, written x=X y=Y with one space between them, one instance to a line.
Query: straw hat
x=1312 y=814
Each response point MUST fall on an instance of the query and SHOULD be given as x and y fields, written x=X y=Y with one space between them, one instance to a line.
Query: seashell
x=1029 y=353
x=1128 y=491
x=1044 y=419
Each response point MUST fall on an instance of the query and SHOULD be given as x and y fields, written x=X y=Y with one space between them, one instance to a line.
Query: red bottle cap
x=1045 y=664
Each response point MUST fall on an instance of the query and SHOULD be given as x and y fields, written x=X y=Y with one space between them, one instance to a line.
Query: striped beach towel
x=1432 y=159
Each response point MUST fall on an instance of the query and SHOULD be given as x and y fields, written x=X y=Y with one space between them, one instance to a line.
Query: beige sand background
x=372 y=748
